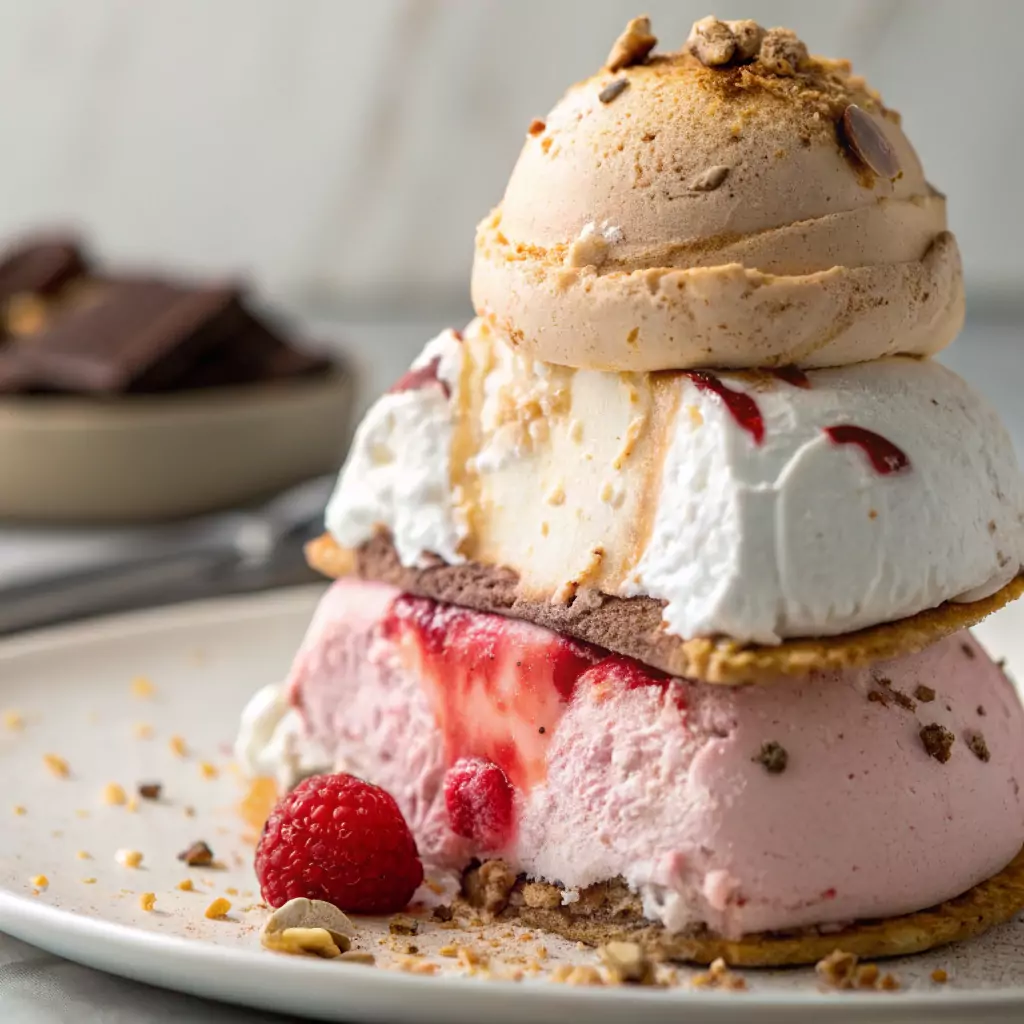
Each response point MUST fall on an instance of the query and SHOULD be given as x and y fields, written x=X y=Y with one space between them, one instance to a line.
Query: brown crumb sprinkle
x=888 y=983
x=939 y=976
x=718 y=975
x=142 y=688
x=402 y=924
x=414 y=965
x=582 y=974
x=866 y=975
x=114 y=794
x=442 y=913
x=925 y=694
x=57 y=765
x=968 y=650
x=773 y=757
x=536 y=127
x=977 y=746
x=217 y=909
x=150 y=790
x=128 y=858
x=198 y=855
x=938 y=741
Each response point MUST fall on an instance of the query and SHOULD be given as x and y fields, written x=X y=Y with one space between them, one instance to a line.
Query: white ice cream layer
x=639 y=484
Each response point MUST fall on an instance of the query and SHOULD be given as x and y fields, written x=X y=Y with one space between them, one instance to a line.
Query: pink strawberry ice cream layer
x=609 y=769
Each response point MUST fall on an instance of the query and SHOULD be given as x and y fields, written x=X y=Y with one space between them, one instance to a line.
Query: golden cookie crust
x=608 y=911
x=633 y=626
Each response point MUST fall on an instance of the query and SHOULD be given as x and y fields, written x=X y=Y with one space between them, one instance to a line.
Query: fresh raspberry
x=480 y=802
x=338 y=839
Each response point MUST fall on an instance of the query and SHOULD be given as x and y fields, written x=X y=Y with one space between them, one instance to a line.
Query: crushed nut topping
x=198 y=855
x=938 y=741
x=968 y=650
x=712 y=42
x=536 y=127
x=710 y=179
x=147 y=901
x=633 y=46
x=718 y=44
x=977 y=746
x=627 y=963
x=838 y=969
x=303 y=926
x=442 y=913
x=865 y=141
x=773 y=756
x=718 y=975
x=613 y=90
x=150 y=790
x=939 y=976
x=925 y=694
x=782 y=52
x=301 y=942
x=748 y=35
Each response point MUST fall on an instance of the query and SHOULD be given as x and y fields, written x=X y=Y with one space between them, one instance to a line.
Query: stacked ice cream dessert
x=653 y=583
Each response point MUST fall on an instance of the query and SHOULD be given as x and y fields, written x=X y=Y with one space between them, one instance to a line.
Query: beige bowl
x=141 y=458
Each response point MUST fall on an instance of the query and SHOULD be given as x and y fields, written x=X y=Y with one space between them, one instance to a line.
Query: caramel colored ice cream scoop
x=734 y=204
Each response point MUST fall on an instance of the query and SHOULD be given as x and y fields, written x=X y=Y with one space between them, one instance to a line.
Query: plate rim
x=204 y=957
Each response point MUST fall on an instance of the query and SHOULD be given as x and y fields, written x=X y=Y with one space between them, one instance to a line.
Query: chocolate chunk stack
x=68 y=328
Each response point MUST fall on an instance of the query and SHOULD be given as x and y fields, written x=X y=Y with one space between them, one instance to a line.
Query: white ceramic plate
x=73 y=688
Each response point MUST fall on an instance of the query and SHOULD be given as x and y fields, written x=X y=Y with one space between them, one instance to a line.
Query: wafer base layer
x=609 y=911
x=633 y=626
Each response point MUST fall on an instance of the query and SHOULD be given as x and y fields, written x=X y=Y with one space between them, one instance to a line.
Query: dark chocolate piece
x=134 y=335
x=42 y=265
